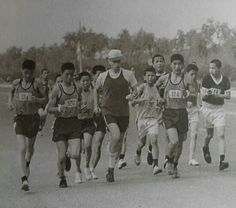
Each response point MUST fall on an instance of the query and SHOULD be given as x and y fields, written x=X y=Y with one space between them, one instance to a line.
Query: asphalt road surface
x=135 y=187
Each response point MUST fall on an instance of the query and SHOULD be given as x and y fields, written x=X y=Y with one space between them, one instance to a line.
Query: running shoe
x=223 y=165
x=193 y=162
x=94 y=176
x=78 y=178
x=87 y=174
x=110 y=175
x=206 y=153
x=156 y=170
x=121 y=163
x=175 y=173
x=137 y=159
x=63 y=183
x=25 y=184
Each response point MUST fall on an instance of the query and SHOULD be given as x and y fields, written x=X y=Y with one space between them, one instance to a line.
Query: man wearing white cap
x=115 y=84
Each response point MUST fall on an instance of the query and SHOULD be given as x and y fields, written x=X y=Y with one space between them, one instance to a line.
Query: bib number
x=175 y=94
x=71 y=103
x=25 y=96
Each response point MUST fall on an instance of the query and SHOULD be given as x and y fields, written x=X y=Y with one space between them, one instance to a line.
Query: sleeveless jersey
x=70 y=100
x=114 y=96
x=149 y=109
x=22 y=99
x=174 y=95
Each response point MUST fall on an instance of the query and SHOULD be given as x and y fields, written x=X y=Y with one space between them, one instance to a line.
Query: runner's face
x=214 y=70
x=114 y=64
x=150 y=77
x=85 y=82
x=27 y=74
x=192 y=75
x=158 y=64
x=45 y=75
x=177 y=66
x=68 y=76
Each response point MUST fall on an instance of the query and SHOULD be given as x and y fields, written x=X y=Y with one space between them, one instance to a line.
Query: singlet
x=215 y=88
x=114 y=96
x=70 y=100
x=87 y=100
x=148 y=109
x=174 y=94
x=23 y=97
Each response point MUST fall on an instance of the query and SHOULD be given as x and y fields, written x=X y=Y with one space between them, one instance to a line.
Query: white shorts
x=147 y=126
x=213 y=117
x=193 y=114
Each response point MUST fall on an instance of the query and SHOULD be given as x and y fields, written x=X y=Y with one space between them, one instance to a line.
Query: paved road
x=202 y=186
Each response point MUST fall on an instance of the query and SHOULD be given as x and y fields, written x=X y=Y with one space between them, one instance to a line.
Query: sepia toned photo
x=110 y=104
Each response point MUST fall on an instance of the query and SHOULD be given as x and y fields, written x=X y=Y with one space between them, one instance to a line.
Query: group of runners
x=88 y=106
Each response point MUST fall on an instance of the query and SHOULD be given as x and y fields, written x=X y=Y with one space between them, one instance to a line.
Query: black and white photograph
x=110 y=104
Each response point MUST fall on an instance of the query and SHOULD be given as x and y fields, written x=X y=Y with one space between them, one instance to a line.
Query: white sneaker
x=193 y=162
x=156 y=170
x=87 y=174
x=78 y=178
x=121 y=163
x=94 y=176
x=137 y=159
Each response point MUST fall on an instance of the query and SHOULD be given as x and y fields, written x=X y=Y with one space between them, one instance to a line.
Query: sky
x=28 y=23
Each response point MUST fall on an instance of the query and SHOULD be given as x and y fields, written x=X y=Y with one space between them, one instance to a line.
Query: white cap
x=115 y=54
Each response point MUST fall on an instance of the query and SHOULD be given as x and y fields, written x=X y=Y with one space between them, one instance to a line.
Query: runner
x=26 y=96
x=115 y=84
x=148 y=115
x=193 y=106
x=215 y=88
x=64 y=103
x=86 y=119
x=175 y=115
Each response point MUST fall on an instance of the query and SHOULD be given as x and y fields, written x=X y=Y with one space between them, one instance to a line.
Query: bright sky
x=27 y=23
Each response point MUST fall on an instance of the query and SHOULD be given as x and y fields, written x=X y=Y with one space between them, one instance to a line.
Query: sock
x=138 y=152
x=150 y=148
x=155 y=162
x=27 y=163
x=24 y=178
x=222 y=158
x=122 y=156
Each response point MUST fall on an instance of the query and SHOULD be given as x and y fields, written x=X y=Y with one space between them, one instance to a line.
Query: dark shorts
x=121 y=121
x=176 y=118
x=27 y=125
x=87 y=126
x=66 y=129
x=100 y=123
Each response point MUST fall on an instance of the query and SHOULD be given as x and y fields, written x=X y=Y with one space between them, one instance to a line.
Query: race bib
x=25 y=96
x=227 y=92
x=215 y=91
x=175 y=94
x=71 y=103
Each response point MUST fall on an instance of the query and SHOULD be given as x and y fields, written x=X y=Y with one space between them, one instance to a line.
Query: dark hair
x=28 y=64
x=149 y=69
x=158 y=55
x=191 y=67
x=100 y=68
x=217 y=62
x=82 y=74
x=67 y=66
x=44 y=69
x=177 y=57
